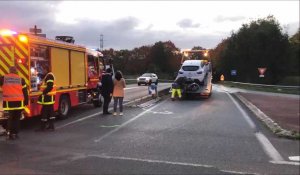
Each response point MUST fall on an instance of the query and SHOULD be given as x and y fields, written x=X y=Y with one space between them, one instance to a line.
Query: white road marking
x=131 y=88
x=285 y=163
x=103 y=156
x=245 y=115
x=269 y=149
x=109 y=126
x=84 y=118
x=89 y=116
x=126 y=123
x=295 y=158
x=151 y=161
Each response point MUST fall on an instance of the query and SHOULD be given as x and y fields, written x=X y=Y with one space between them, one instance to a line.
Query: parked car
x=147 y=78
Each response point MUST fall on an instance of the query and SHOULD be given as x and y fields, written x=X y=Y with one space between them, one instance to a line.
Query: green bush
x=290 y=81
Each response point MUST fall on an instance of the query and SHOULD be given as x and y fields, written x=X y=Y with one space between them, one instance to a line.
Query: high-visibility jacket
x=13 y=94
x=48 y=89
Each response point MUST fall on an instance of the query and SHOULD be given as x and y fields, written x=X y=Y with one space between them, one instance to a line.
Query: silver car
x=147 y=78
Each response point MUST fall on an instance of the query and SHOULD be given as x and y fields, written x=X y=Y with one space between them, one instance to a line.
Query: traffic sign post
x=35 y=30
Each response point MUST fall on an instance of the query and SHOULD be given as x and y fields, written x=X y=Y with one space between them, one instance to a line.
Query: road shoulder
x=282 y=120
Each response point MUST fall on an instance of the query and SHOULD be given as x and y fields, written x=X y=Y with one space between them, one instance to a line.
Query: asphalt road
x=195 y=136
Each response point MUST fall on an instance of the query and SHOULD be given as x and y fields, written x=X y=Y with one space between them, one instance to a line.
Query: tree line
x=162 y=58
x=259 y=44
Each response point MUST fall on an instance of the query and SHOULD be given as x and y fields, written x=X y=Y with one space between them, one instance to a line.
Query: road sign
x=233 y=72
x=41 y=35
x=261 y=71
x=35 y=30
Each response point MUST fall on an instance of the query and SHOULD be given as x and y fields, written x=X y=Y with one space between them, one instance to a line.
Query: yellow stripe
x=25 y=78
x=2 y=64
x=1 y=72
x=11 y=54
x=20 y=46
x=24 y=69
x=6 y=41
x=27 y=110
x=6 y=59
x=19 y=53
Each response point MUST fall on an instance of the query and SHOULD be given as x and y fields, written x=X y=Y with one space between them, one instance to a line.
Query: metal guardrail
x=267 y=85
x=159 y=80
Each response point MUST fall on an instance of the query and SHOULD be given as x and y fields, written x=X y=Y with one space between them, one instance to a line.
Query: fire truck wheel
x=64 y=107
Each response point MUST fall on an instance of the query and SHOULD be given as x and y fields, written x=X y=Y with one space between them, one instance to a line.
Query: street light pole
x=101 y=42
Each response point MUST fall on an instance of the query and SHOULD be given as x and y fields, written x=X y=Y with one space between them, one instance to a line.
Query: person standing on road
x=177 y=87
x=107 y=89
x=118 y=92
x=152 y=89
x=47 y=100
x=15 y=98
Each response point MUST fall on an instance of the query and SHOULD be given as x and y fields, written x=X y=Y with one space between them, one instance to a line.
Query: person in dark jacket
x=107 y=89
x=15 y=98
x=47 y=100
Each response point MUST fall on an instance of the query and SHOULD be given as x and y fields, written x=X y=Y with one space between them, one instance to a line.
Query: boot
x=42 y=128
x=50 y=127
x=11 y=136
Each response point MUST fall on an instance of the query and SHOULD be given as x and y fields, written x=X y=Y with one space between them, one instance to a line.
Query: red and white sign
x=262 y=71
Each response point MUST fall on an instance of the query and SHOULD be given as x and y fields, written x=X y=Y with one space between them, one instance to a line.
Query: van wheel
x=210 y=91
x=64 y=107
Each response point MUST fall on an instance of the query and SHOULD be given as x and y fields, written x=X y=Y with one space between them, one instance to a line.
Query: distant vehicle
x=147 y=78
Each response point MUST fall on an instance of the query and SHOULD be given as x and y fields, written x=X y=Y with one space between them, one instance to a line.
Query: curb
x=272 y=125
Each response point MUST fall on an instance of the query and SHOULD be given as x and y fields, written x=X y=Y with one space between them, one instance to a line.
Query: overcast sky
x=130 y=24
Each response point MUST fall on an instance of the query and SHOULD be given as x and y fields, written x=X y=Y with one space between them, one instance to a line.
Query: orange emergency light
x=23 y=38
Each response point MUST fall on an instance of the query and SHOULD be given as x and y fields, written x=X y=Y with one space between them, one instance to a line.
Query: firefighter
x=15 y=98
x=47 y=100
x=177 y=87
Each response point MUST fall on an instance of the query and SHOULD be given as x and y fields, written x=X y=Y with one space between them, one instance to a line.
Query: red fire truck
x=77 y=69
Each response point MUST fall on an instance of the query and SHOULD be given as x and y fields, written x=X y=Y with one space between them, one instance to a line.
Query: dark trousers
x=47 y=115
x=107 y=99
x=120 y=100
x=13 y=123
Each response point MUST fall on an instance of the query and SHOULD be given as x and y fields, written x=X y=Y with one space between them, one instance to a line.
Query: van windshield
x=190 y=68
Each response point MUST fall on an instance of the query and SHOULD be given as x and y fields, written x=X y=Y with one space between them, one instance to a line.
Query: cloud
x=187 y=23
x=119 y=33
x=21 y=15
x=232 y=18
